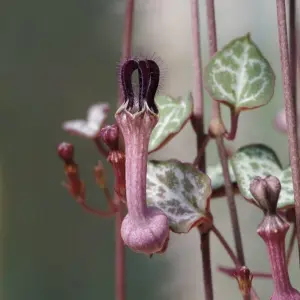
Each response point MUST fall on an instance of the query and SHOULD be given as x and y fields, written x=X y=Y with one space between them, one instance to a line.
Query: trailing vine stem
x=232 y=255
x=216 y=115
x=290 y=110
x=202 y=141
x=120 y=292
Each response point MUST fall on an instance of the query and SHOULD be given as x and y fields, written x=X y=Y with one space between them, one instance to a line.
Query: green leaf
x=260 y=160
x=215 y=173
x=180 y=191
x=240 y=76
x=173 y=115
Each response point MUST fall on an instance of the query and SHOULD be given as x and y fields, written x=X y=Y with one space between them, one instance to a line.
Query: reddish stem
x=120 y=254
x=198 y=107
x=102 y=150
x=291 y=244
x=235 y=259
x=216 y=115
x=290 y=110
x=232 y=272
x=120 y=292
x=201 y=152
x=226 y=246
x=293 y=47
x=202 y=139
x=213 y=46
x=206 y=265
x=98 y=212
x=230 y=199
x=234 y=118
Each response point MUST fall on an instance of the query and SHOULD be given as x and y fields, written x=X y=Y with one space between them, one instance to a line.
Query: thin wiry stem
x=216 y=114
x=101 y=148
x=198 y=107
x=290 y=110
x=206 y=265
x=233 y=257
x=98 y=212
x=213 y=46
x=202 y=141
x=291 y=244
x=120 y=292
x=293 y=47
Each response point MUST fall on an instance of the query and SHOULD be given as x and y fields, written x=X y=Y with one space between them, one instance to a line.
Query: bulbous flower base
x=147 y=235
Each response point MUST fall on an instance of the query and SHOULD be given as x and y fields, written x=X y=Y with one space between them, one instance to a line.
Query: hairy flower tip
x=148 y=75
x=149 y=235
x=280 y=121
x=110 y=136
x=66 y=152
x=266 y=191
x=90 y=127
x=244 y=278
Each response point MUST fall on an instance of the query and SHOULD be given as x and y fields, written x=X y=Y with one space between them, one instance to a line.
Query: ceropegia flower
x=89 y=128
x=144 y=229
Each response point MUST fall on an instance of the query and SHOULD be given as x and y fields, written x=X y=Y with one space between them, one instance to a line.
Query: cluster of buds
x=76 y=186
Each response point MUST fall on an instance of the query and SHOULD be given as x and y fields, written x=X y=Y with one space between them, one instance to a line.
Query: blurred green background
x=58 y=58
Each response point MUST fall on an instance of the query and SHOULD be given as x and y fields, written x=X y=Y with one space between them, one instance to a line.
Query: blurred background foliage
x=58 y=58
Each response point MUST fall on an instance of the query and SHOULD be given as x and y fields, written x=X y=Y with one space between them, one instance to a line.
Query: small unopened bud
x=216 y=128
x=110 y=136
x=244 y=279
x=266 y=192
x=66 y=152
x=74 y=184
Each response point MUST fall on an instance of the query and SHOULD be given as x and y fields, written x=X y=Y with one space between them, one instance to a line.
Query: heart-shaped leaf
x=260 y=160
x=215 y=173
x=180 y=191
x=240 y=76
x=173 y=115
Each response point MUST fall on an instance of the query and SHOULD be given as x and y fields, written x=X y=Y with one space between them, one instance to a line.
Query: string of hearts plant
x=164 y=196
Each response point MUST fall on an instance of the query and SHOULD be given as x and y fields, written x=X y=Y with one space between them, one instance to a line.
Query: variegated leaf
x=180 y=191
x=215 y=173
x=173 y=115
x=240 y=76
x=260 y=160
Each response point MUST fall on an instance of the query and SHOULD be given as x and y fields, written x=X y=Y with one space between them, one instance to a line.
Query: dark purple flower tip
x=266 y=192
x=149 y=74
x=66 y=152
x=110 y=136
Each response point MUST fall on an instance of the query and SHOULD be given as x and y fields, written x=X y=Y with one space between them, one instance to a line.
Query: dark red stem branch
x=97 y=212
x=232 y=255
x=290 y=110
x=198 y=110
x=231 y=201
x=120 y=292
x=202 y=140
x=213 y=46
x=293 y=47
x=101 y=148
x=216 y=115
x=206 y=265
x=234 y=118
x=291 y=244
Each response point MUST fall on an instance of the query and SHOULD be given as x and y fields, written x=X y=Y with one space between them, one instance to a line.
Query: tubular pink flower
x=144 y=229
